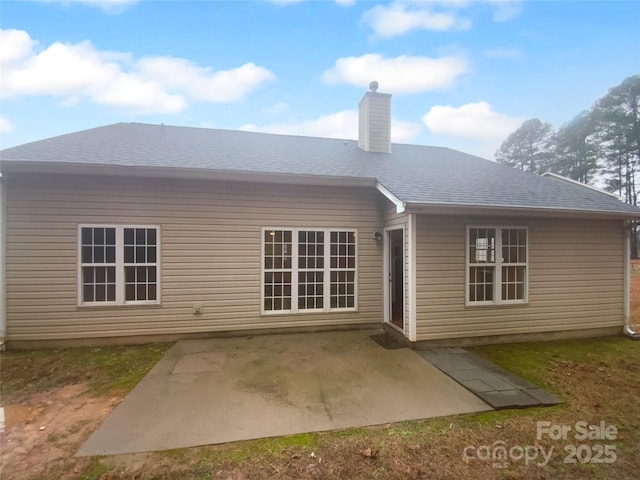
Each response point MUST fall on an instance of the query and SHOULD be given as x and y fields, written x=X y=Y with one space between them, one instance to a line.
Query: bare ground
x=56 y=406
x=54 y=399
x=43 y=432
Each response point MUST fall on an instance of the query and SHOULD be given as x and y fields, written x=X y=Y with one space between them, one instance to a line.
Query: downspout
x=3 y=288
x=627 y=283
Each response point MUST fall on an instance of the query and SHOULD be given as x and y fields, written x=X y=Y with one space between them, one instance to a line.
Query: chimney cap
x=373 y=86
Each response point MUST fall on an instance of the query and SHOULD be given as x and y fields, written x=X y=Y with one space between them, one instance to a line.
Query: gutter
x=580 y=184
x=445 y=208
x=3 y=289
x=627 y=330
x=173 y=173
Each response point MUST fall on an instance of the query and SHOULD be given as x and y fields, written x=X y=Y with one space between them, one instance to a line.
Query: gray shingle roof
x=418 y=175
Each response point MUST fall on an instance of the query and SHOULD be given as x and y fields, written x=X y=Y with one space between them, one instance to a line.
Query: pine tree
x=528 y=148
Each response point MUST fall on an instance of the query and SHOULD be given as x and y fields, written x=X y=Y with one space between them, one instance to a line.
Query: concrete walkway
x=223 y=390
x=496 y=386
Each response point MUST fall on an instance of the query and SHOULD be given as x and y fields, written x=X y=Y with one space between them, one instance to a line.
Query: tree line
x=600 y=144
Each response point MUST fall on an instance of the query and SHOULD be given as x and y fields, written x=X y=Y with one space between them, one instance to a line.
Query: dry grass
x=598 y=380
x=54 y=399
x=106 y=370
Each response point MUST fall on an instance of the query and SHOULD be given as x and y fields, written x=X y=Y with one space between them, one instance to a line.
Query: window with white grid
x=118 y=264
x=496 y=265
x=310 y=269
x=140 y=264
x=316 y=267
x=98 y=264
x=343 y=269
x=514 y=263
x=482 y=264
x=278 y=270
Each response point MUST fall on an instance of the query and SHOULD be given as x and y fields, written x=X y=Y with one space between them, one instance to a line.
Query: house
x=134 y=232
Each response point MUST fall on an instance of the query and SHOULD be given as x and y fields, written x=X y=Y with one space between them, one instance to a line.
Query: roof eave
x=60 y=168
x=400 y=205
x=580 y=184
x=506 y=210
x=30 y=167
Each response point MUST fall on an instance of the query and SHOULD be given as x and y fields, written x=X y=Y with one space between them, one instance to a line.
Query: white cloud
x=139 y=95
x=506 y=9
x=402 y=16
x=404 y=132
x=109 y=6
x=78 y=71
x=75 y=72
x=473 y=120
x=61 y=69
x=15 y=45
x=342 y=124
x=399 y=18
x=278 y=108
x=5 y=125
x=403 y=74
x=335 y=125
x=202 y=83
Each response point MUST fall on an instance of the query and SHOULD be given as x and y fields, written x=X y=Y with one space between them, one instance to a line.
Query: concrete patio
x=228 y=389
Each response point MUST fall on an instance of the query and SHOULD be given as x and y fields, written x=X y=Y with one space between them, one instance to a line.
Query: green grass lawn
x=598 y=380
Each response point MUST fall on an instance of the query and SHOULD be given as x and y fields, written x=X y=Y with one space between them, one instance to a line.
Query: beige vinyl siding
x=575 y=278
x=375 y=122
x=392 y=219
x=210 y=252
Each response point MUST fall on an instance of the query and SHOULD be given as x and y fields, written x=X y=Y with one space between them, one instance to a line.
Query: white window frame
x=119 y=266
x=294 y=271
x=497 y=264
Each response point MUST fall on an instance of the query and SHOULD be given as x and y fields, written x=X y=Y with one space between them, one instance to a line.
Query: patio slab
x=228 y=389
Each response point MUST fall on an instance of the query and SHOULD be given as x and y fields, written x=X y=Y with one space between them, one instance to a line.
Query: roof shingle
x=416 y=174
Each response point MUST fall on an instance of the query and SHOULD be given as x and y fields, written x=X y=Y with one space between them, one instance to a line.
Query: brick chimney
x=374 y=132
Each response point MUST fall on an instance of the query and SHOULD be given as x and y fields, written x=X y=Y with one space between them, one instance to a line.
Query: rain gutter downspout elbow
x=630 y=333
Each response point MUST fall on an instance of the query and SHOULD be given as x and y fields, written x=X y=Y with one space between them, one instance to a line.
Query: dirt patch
x=42 y=433
x=598 y=379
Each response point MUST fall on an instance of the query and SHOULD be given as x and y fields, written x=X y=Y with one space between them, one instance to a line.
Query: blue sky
x=463 y=73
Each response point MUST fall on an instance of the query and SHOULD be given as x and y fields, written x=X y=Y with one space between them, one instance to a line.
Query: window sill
x=308 y=312
x=112 y=305
x=496 y=304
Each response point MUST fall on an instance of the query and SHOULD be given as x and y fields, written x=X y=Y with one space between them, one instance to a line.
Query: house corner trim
x=412 y=277
x=400 y=205
x=3 y=283
x=628 y=330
